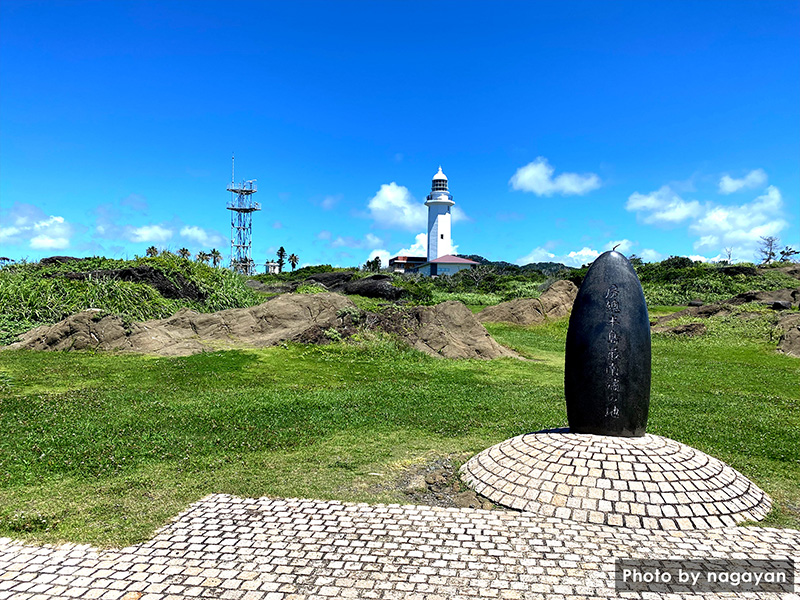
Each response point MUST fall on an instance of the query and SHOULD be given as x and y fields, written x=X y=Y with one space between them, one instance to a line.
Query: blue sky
x=671 y=128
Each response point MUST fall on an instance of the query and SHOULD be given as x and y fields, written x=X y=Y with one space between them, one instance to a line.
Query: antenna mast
x=242 y=207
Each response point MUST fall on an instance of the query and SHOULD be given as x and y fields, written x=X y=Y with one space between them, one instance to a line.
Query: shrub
x=311 y=288
x=33 y=294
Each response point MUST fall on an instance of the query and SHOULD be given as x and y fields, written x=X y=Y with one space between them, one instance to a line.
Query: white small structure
x=446 y=265
x=439 y=202
x=273 y=268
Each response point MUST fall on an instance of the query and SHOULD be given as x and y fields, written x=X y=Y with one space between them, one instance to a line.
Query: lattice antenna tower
x=242 y=207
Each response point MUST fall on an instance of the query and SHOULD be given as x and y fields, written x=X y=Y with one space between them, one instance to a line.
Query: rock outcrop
x=451 y=330
x=777 y=300
x=447 y=330
x=790 y=338
x=378 y=286
x=283 y=318
x=554 y=303
x=375 y=286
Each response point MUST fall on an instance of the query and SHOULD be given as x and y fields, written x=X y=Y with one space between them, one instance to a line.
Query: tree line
x=293 y=259
x=215 y=256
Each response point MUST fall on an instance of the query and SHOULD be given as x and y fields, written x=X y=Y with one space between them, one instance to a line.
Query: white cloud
x=581 y=257
x=458 y=215
x=585 y=255
x=394 y=206
x=370 y=240
x=345 y=242
x=149 y=233
x=330 y=201
x=33 y=226
x=324 y=235
x=537 y=177
x=48 y=223
x=7 y=234
x=650 y=255
x=418 y=248
x=576 y=258
x=663 y=207
x=45 y=242
x=373 y=240
x=623 y=246
x=203 y=237
x=538 y=254
x=383 y=254
x=715 y=225
x=755 y=178
x=742 y=226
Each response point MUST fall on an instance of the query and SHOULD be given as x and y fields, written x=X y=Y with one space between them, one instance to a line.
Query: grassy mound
x=33 y=294
x=674 y=285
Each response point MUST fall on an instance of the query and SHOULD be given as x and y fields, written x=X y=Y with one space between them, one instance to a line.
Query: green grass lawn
x=105 y=448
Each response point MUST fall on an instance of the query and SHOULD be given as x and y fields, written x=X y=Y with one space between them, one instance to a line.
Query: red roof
x=450 y=259
x=407 y=258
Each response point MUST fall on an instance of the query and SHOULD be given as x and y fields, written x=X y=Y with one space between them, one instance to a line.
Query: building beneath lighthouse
x=440 y=259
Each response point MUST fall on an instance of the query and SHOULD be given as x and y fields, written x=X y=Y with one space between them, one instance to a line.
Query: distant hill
x=548 y=268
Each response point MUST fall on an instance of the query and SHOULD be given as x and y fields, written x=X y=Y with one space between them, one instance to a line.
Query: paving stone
x=662 y=482
x=408 y=552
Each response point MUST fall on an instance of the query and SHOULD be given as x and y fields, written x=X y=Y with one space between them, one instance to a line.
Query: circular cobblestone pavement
x=649 y=481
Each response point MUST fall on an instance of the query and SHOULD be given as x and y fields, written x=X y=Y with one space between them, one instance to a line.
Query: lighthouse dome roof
x=440 y=175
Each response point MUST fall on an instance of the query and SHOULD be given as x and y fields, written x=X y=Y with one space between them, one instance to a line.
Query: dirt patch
x=437 y=483
x=554 y=303
x=447 y=330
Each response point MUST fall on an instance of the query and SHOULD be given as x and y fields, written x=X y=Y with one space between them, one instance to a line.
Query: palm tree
x=281 y=258
x=293 y=260
x=203 y=256
x=184 y=253
x=216 y=257
x=151 y=251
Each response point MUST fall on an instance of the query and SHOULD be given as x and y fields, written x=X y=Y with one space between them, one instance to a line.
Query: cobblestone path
x=270 y=549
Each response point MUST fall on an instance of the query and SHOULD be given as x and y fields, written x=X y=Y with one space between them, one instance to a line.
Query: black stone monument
x=607 y=364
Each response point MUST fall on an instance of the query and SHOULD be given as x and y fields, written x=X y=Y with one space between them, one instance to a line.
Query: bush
x=312 y=288
x=33 y=294
x=303 y=273
x=665 y=283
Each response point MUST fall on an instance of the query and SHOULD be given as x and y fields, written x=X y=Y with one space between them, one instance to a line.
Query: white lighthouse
x=439 y=202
